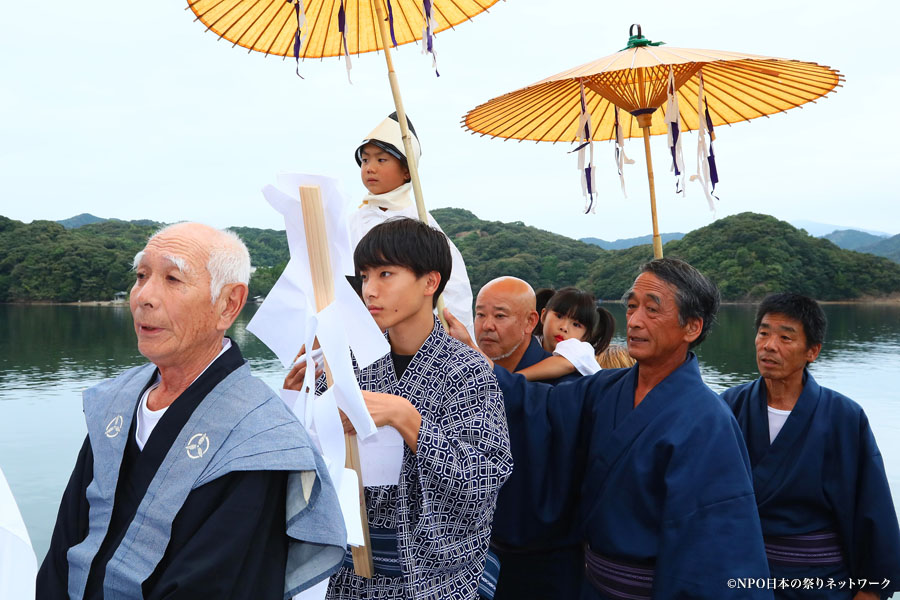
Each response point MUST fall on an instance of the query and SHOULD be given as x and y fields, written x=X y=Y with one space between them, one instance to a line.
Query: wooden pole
x=404 y=131
x=644 y=122
x=323 y=285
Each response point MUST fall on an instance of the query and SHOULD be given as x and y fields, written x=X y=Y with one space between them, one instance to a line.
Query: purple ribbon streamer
x=297 y=38
x=342 y=25
x=713 y=171
x=391 y=22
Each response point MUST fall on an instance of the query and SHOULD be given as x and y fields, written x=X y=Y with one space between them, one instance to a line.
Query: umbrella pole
x=401 y=114
x=404 y=131
x=644 y=123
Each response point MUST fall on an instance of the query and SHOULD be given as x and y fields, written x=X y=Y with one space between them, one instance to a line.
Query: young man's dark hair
x=797 y=307
x=406 y=243
x=697 y=296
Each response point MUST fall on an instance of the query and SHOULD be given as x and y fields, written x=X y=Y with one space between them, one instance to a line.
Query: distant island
x=748 y=255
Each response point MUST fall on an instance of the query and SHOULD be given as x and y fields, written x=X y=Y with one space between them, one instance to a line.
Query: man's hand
x=396 y=411
x=456 y=329
x=294 y=379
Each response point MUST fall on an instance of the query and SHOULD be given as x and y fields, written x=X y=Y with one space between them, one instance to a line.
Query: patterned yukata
x=444 y=504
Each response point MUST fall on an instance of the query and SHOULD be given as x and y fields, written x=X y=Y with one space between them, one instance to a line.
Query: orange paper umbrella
x=703 y=88
x=322 y=28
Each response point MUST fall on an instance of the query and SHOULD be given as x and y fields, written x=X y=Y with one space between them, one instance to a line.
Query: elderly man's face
x=501 y=322
x=652 y=325
x=174 y=318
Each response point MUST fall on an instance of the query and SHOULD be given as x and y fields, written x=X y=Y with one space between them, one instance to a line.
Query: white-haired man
x=194 y=481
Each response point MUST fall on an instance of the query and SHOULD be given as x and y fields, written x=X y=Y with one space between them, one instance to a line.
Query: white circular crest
x=197 y=445
x=115 y=426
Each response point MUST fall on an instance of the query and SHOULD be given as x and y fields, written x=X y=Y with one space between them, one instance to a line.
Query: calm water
x=48 y=354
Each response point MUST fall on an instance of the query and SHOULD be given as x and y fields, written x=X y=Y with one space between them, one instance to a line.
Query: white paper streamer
x=621 y=158
x=702 y=176
x=584 y=137
x=675 y=133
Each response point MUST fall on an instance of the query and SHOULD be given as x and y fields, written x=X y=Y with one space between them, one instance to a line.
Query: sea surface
x=49 y=354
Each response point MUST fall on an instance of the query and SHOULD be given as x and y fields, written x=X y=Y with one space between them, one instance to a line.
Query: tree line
x=748 y=255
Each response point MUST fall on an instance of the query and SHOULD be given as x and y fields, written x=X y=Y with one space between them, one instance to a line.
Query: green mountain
x=747 y=255
x=750 y=255
x=79 y=220
x=623 y=243
x=492 y=248
x=887 y=247
x=852 y=239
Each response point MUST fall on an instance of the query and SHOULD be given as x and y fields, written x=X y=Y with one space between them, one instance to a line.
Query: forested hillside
x=747 y=255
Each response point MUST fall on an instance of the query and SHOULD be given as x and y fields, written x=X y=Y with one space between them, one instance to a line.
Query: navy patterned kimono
x=443 y=506
x=662 y=490
x=822 y=472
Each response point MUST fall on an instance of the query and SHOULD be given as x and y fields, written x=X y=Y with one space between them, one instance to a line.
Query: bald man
x=536 y=561
x=195 y=480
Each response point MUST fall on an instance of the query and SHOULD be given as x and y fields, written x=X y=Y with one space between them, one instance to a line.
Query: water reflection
x=48 y=354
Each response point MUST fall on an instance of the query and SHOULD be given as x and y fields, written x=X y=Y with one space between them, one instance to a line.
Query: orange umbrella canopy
x=269 y=26
x=737 y=87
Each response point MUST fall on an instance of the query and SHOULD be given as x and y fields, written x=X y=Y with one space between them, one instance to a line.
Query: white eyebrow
x=179 y=262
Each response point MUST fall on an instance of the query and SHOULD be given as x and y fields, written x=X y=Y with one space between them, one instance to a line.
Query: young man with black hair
x=430 y=532
x=821 y=489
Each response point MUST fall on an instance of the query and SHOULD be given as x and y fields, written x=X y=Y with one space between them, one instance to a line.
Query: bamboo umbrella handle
x=404 y=131
x=644 y=122
x=323 y=286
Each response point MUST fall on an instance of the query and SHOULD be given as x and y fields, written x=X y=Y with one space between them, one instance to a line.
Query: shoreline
x=879 y=300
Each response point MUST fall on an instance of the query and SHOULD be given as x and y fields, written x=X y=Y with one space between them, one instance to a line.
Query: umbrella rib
x=275 y=34
x=212 y=7
x=795 y=80
x=751 y=85
x=212 y=26
x=287 y=50
x=513 y=103
x=524 y=115
x=255 y=21
x=410 y=33
x=530 y=115
x=236 y=21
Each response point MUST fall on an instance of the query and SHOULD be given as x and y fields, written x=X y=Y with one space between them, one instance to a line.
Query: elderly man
x=648 y=457
x=822 y=493
x=540 y=556
x=194 y=481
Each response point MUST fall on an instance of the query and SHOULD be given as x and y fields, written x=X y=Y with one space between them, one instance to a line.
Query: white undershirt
x=147 y=419
x=777 y=417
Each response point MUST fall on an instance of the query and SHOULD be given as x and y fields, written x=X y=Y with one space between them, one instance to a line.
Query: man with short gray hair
x=649 y=458
x=195 y=480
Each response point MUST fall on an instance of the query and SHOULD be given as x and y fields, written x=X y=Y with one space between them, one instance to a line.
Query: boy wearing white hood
x=385 y=173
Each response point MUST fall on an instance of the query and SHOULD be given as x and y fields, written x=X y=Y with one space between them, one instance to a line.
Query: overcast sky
x=133 y=110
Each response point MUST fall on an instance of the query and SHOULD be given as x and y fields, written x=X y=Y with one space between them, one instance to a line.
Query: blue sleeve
x=548 y=437
x=691 y=564
x=876 y=539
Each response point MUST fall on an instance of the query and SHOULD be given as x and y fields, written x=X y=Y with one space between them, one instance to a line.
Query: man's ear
x=229 y=304
x=693 y=329
x=531 y=320
x=432 y=281
x=812 y=353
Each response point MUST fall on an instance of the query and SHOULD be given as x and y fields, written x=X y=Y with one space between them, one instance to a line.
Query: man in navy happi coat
x=649 y=457
x=539 y=556
x=821 y=489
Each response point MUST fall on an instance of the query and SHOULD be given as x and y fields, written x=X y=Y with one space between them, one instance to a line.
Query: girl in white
x=575 y=330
